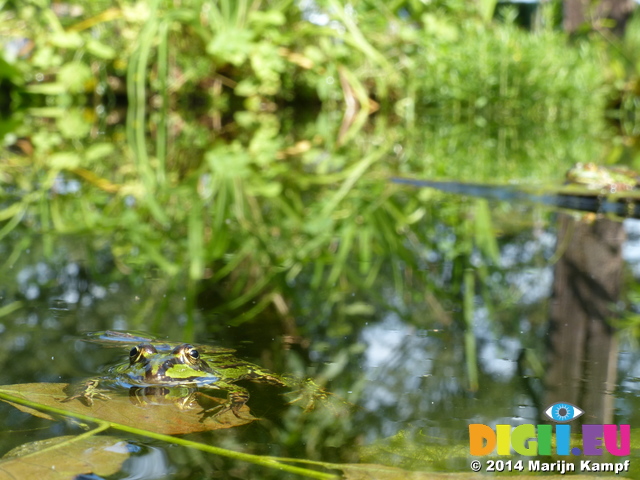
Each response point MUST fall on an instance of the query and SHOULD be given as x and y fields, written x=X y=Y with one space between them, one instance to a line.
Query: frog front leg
x=88 y=391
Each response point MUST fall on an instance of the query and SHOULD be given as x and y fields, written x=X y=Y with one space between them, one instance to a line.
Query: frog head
x=180 y=366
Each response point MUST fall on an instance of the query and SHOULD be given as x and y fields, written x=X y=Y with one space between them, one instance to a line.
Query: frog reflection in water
x=184 y=366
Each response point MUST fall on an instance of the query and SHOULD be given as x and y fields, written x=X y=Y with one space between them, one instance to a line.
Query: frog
x=184 y=369
x=597 y=177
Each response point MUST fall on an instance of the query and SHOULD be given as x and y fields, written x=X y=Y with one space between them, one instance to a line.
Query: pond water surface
x=422 y=312
x=401 y=358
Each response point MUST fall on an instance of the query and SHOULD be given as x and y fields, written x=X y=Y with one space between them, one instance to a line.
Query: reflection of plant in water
x=251 y=214
x=224 y=181
x=249 y=184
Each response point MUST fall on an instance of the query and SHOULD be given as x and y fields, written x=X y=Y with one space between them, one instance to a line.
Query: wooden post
x=582 y=349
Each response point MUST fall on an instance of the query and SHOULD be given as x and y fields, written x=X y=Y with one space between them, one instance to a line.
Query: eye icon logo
x=563 y=412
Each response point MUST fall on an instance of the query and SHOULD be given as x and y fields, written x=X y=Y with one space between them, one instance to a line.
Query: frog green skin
x=182 y=367
x=596 y=177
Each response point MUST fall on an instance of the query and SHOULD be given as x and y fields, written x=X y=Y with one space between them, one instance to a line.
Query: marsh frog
x=183 y=369
x=597 y=177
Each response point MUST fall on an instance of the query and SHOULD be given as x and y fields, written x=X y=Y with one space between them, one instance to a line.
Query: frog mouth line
x=160 y=376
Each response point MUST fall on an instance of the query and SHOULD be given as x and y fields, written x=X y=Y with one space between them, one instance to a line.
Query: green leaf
x=73 y=125
x=267 y=18
x=247 y=88
x=10 y=72
x=485 y=233
x=195 y=241
x=46 y=57
x=98 y=151
x=268 y=190
x=359 y=308
x=233 y=46
x=166 y=418
x=100 y=50
x=486 y=9
x=229 y=162
x=66 y=457
x=10 y=308
x=42 y=398
x=75 y=76
x=56 y=88
x=66 y=40
x=64 y=161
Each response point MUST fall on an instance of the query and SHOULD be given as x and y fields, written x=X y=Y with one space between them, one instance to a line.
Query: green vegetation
x=233 y=157
x=262 y=173
x=259 y=137
x=258 y=141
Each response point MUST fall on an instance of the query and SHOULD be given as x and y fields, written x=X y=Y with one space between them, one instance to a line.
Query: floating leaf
x=45 y=398
x=65 y=457
x=166 y=418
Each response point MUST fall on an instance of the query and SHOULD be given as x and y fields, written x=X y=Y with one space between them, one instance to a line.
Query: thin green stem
x=269 y=462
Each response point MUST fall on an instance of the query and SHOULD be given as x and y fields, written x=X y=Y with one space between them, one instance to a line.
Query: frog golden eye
x=187 y=353
x=134 y=354
x=137 y=353
x=190 y=352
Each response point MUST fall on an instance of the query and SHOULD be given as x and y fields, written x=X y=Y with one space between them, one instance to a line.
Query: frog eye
x=191 y=352
x=138 y=353
x=187 y=353
x=134 y=354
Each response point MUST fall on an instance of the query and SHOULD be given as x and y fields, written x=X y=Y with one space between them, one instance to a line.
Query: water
x=421 y=311
x=397 y=352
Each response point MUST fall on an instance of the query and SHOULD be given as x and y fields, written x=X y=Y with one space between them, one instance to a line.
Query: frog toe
x=73 y=397
x=219 y=410
x=87 y=396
